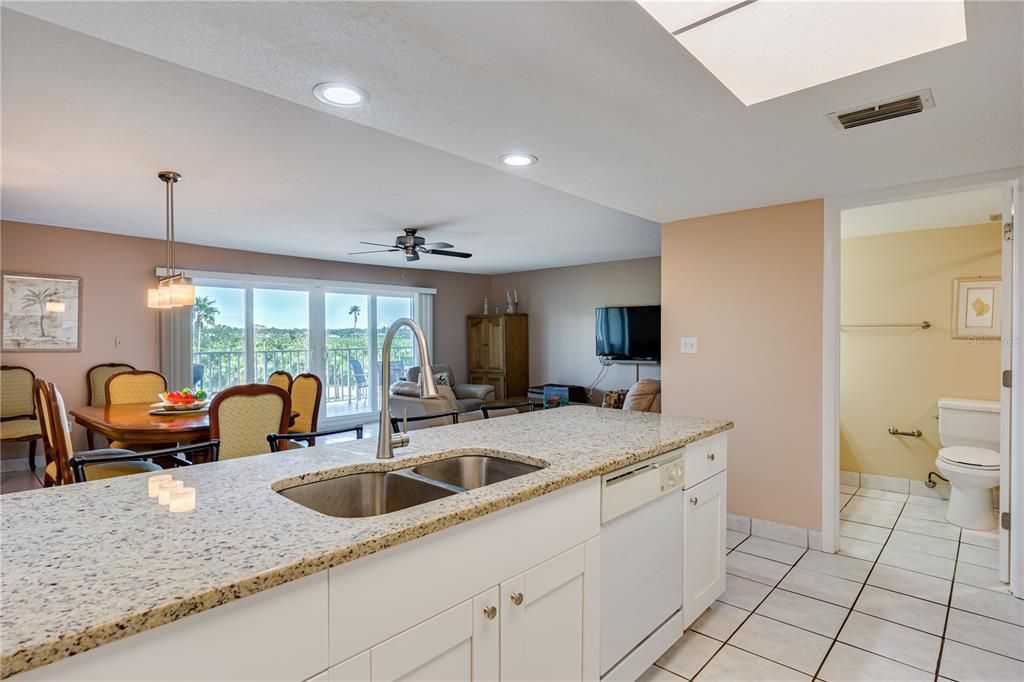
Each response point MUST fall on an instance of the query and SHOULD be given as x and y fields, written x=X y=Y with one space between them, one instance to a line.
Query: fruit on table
x=185 y=396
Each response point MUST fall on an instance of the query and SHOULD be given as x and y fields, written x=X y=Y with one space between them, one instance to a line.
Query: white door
x=437 y=649
x=542 y=620
x=703 y=546
x=1011 y=470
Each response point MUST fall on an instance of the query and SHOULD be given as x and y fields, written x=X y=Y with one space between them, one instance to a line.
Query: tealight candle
x=155 y=481
x=182 y=500
x=166 y=488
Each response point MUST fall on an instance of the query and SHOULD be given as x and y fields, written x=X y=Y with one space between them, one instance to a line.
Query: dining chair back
x=59 y=470
x=18 y=419
x=305 y=391
x=135 y=386
x=96 y=379
x=41 y=397
x=241 y=418
x=281 y=379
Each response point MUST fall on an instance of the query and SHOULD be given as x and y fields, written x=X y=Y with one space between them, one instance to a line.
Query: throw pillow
x=441 y=379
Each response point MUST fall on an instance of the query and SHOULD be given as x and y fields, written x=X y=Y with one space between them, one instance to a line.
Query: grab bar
x=924 y=324
x=916 y=433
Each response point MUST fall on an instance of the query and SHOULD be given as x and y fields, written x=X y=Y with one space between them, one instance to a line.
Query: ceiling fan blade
x=455 y=254
x=412 y=256
x=386 y=246
x=359 y=253
x=438 y=245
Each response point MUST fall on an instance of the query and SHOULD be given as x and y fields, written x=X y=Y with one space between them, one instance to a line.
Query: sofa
x=643 y=396
x=466 y=399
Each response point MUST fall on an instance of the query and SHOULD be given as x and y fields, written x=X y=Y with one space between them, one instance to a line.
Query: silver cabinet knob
x=711 y=457
x=693 y=501
x=517 y=598
x=490 y=612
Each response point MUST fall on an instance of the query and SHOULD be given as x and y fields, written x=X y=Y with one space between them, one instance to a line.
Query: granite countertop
x=87 y=564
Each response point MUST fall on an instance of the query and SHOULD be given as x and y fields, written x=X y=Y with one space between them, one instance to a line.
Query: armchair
x=468 y=397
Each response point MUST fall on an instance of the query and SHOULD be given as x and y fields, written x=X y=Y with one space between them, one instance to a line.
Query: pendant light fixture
x=174 y=290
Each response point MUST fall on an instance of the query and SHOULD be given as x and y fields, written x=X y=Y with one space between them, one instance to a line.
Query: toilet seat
x=974 y=458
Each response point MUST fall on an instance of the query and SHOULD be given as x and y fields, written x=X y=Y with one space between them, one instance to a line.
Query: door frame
x=830 y=375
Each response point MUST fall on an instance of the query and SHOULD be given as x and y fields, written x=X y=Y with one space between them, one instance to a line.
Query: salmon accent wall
x=561 y=302
x=116 y=271
x=748 y=285
x=895 y=377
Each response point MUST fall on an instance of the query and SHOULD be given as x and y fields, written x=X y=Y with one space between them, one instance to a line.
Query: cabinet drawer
x=704 y=459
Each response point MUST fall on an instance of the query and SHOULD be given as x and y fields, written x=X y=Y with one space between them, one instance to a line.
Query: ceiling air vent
x=894 y=107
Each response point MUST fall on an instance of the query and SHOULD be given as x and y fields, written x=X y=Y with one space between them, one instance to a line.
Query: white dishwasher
x=641 y=564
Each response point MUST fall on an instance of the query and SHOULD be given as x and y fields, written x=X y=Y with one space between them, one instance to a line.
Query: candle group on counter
x=171 y=493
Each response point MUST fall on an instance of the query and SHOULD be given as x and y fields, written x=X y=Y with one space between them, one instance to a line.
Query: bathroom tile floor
x=908 y=597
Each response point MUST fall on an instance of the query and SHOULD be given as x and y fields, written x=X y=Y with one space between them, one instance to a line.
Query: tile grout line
x=749 y=614
x=867 y=577
x=949 y=607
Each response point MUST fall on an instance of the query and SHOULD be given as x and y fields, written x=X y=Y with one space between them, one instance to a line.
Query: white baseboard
x=770 y=530
x=894 y=485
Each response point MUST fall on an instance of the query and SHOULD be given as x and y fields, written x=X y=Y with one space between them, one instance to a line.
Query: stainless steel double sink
x=381 y=492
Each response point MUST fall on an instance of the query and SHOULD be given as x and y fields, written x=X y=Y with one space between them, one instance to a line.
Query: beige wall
x=749 y=285
x=561 y=302
x=117 y=270
x=894 y=377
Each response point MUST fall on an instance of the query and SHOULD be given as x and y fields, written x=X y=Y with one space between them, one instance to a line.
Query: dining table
x=134 y=424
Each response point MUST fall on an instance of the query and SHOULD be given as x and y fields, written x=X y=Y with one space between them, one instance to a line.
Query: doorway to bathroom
x=923 y=327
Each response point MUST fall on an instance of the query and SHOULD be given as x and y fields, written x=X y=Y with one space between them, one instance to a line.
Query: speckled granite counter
x=87 y=564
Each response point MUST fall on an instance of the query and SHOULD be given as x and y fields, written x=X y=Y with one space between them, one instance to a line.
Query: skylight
x=769 y=48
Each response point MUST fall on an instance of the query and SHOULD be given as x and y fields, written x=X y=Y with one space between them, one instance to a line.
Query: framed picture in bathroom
x=977 y=304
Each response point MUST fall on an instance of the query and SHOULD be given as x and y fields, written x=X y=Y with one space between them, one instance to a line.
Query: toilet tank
x=969 y=422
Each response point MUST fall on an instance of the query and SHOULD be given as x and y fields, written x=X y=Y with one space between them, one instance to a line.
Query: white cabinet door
x=542 y=629
x=437 y=649
x=355 y=669
x=486 y=636
x=703 y=546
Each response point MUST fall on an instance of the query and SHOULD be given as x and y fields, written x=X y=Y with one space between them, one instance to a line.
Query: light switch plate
x=687 y=344
x=118 y=342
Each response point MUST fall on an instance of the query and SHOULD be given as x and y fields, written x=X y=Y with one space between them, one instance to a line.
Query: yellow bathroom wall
x=894 y=377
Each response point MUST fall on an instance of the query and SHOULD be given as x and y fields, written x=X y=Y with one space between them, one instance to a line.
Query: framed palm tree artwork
x=42 y=313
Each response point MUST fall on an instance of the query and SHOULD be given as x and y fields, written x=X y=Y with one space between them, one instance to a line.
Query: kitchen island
x=90 y=564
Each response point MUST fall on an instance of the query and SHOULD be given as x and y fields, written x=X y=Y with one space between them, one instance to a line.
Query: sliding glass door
x=244 y=331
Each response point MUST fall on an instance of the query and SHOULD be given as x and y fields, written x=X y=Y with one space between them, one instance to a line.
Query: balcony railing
x=346 y=377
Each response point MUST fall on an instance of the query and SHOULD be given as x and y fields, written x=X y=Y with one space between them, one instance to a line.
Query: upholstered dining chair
x=281 y=379
x=241 y=418
x=306 y=390
x=96 y=382
x=67 y=466
x=135 y=386
x=18 y=419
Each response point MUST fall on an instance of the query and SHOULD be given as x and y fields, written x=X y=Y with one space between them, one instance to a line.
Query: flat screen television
x=629 y=332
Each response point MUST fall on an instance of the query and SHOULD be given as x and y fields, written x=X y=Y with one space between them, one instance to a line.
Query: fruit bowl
x=182 y=401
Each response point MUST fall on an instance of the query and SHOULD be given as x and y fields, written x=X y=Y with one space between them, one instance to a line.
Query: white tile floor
x=908 y=597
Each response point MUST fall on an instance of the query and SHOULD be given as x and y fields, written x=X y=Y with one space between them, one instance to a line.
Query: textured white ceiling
x=618 y=111
x=86 y=126
x=927 y=213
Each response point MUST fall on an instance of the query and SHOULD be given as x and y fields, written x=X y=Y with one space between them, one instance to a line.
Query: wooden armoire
x=499 y=353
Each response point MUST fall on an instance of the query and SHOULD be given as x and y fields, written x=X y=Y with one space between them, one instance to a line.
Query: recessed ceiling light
x=769 y=48
x=518 y=160
x=341 y=94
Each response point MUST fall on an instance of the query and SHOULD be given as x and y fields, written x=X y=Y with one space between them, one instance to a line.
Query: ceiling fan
x=413 y=246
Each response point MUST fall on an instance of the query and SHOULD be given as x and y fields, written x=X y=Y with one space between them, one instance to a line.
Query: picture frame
x=41 y=313
x=977 y=307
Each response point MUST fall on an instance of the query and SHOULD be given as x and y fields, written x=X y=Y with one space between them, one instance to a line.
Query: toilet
x=969 y=458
